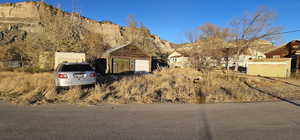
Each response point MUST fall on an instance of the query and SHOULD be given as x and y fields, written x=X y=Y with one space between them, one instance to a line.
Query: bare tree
x=131 y=22
x=250 y=28
x=211 y=31
x=137 y=33
x=208 y=52
x=192 y=36
x=132 y=29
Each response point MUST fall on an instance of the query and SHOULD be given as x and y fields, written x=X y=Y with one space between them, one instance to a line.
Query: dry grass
x=165 y=86
x=24 y=87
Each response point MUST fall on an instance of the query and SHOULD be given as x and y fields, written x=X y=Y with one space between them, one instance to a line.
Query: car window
x=76 y=67
x=58 y=67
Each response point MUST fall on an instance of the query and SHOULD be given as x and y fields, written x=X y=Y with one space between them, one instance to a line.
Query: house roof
x=270 y=60
x=182 y=53
x=114 y=49
x=107 y=52
x=282 y=50
x=285 y=50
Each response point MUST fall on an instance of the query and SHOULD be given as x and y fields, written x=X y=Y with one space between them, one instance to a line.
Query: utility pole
x=227 y=58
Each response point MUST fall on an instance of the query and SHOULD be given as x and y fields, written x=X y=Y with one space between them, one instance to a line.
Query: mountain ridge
x=25 y=23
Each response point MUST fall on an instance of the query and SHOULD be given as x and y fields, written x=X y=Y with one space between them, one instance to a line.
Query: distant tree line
x=242 y=33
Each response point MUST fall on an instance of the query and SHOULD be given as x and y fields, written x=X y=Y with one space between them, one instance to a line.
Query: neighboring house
x=289 y=50
x=243 y=58
x=179 y=59
x=127 y=58
x=246 y=57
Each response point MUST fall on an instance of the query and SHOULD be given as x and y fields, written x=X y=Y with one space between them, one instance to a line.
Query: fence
x=280 y=67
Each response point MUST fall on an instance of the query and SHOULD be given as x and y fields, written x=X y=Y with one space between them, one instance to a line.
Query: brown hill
x=28 y=29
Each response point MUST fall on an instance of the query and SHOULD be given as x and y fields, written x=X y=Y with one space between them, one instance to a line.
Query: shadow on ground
x=281 y=81
x=272 y=95
x=108 y=79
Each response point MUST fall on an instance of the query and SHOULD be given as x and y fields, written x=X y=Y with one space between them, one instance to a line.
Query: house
x=279 y=62
x=289 y=50
x=245 y=57
x=179 y=59
x=215 y=56
x=127 y=58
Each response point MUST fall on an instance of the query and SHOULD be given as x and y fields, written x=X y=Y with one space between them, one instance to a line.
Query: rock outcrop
x=36 y=17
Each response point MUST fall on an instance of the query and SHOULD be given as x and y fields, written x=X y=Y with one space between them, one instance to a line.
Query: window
x=76 y=67
x=174 y=59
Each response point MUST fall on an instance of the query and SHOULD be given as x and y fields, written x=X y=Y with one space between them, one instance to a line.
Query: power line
x=286 y=32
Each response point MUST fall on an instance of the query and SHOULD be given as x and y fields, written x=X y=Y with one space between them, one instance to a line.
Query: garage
x=127 y=59
x=142 y=66
x=121 y=65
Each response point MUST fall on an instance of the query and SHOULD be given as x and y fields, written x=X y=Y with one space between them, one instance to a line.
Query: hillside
x=29 y=29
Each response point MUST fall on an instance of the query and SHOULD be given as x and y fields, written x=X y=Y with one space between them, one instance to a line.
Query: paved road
x=278 y=121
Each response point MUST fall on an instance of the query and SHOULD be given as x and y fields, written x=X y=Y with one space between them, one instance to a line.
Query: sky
x=170 y=19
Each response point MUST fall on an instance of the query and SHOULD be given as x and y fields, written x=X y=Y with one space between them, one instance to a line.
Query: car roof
x=75 y=63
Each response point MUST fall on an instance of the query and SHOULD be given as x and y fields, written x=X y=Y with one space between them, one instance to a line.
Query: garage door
x=142 y=66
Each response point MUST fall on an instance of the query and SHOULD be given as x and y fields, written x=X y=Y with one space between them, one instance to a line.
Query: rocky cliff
x=42 y=27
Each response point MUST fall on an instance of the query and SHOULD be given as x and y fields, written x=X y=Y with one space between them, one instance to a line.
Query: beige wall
x=61 y=57
x=270 y=69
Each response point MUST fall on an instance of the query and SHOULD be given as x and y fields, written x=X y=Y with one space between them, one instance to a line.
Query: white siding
x=142 y=66
x=177 y=60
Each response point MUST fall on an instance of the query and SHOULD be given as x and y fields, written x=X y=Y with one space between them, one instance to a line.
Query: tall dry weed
x=163 y=86
x=24 y=87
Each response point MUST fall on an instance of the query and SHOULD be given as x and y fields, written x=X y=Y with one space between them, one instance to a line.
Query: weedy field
x=180 y=86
